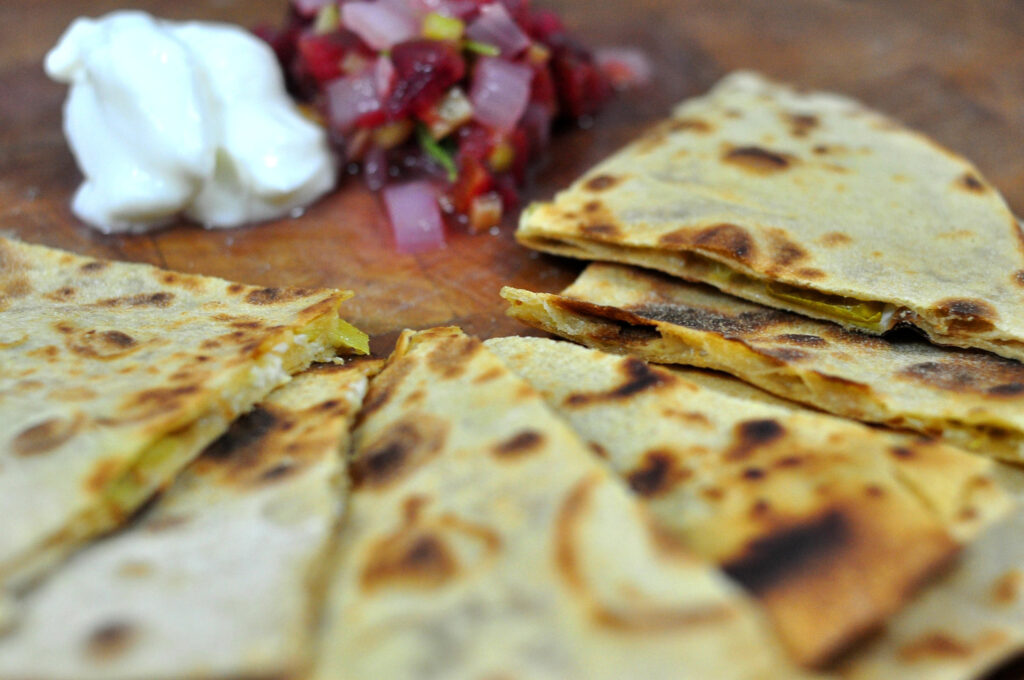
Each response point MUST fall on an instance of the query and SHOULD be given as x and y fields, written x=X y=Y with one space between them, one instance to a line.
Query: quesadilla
x=219 y=577
x=808 y=202
x=829 y=524
x=968 y=622
x=970 y=398
x=113 y=376
x=484 y=540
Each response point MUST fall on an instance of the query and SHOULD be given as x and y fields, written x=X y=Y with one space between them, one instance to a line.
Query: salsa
x=453 y=97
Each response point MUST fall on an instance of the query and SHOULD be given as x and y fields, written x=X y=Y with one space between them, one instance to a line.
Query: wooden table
x=954 y=69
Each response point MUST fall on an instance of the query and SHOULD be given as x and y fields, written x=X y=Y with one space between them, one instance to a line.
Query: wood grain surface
x=954 y=69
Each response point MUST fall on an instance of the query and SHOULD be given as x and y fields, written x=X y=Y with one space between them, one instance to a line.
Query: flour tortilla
x=217 y=578
x=969 y=621
x=113 y=376
x=971 y=399
x=484 y=540
x=829 y=524
x=808 y=202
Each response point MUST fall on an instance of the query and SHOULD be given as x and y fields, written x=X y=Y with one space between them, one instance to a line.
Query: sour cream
x=168 y=119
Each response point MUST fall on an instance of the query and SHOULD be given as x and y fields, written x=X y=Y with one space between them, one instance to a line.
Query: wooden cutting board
x=952 y=69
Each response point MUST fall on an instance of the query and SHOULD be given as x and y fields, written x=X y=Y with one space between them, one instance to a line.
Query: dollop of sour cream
x=168 y=119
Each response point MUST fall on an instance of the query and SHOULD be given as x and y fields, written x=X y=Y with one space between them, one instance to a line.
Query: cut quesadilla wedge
x=113 y=376
x=968 y=622
x=808 y=202
x=484 y=540
x=970 y=398
x=219 y=578
x=831 y=525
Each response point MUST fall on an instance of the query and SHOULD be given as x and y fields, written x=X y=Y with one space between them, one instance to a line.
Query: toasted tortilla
x=965 y=624
x=970 y=398
x=218 y=578
x=114 y=376
x=484 y=540
x=831 y=525
x=808 y=202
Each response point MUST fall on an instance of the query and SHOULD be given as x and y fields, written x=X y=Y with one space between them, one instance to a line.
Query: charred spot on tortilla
x=383 y=387
x=836 y=238
x=971 y=182
x=758 y=160
x=803 y=339
x=601 y=230
x=602 y=182
x=450 y=359
x=786 y=353
x=243 y=433
x=725 y=239
x=970 y=371
x=1006 y=589
x=941 y=645
x=754 y=434
x=46 y=436
x=784 y=251
x=271 y=296
x=61 y=294
x=410 y=558
x=690 y=125
x=93 y=267
x=811 y=273
x=966 y=315
x=709 y=320
x=569 y=515
x=640 y=377
x=408 y=444
x=768 y=561
x=161 y=299
x=658 y=472
x=102 y=345
x=520 y=444
x=110 y=640
x=801 y=124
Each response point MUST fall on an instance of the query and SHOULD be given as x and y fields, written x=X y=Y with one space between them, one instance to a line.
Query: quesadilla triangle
x=808 y=202
x=966 y=624
x=969 y=398
x=113 y=376
x=830 y=525
x=219 y=578
x=484 y=540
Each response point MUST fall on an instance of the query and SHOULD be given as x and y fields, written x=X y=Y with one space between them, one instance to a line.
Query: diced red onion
x=351 y=98
x=375 y=168
x=310 y=7
x=537 y=122
x=624 y=66
x=415 y=216
x=500 y=92
x=384 y=76
x=410 y=9
x=496 y=27
x=378 y=24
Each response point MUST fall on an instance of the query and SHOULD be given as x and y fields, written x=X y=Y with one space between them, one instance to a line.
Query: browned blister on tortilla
x=485 y=540
x=832 y=526
x=808 y=202
x=113 y=376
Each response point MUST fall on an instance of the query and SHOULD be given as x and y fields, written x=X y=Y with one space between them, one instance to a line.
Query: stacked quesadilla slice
x=970 y=398
x=832 y=526
x=484 y=539
x=221 y=577
x=808 y=202
x=114 y=376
